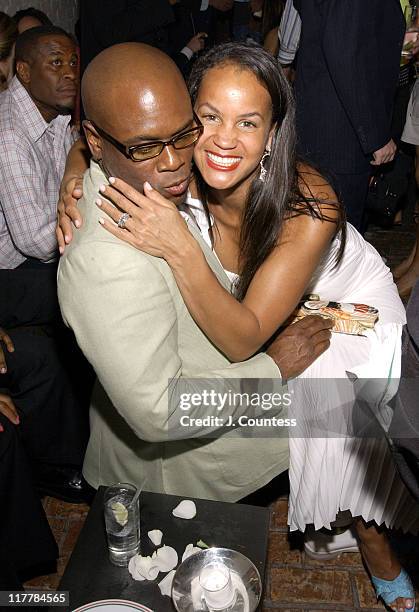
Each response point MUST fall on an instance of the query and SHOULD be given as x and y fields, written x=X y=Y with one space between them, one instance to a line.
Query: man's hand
x=197 y=43
x=222 y=5
x=7 y=341
x=385 y=154
x=300 y=344
x=71 y=191
x=7 y=408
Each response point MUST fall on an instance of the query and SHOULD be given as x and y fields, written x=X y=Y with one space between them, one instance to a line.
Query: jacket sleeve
x=126 y=324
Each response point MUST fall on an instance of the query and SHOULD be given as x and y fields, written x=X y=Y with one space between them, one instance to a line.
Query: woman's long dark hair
x=279 y=196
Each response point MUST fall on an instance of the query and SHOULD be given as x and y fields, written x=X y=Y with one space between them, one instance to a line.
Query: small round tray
x=188 y=572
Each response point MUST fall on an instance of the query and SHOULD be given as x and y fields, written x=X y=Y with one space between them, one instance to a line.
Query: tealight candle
x=215 y=581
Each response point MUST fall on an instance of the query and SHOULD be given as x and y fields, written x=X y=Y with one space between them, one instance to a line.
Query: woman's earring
x=263 y=170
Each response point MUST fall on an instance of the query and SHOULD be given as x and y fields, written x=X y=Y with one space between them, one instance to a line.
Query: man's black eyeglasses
x=152 y=149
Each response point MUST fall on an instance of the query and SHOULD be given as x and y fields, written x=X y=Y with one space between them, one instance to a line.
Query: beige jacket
x=133 y=326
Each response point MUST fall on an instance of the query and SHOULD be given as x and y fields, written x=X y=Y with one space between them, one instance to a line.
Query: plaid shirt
x=32 y=160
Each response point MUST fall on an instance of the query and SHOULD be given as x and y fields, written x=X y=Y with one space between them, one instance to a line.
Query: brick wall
x=63 y=13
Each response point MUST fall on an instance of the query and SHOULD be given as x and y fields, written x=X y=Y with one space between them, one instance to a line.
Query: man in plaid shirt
x=35 y=136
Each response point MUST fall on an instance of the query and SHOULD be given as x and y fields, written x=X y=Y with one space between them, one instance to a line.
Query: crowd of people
x=191 y=224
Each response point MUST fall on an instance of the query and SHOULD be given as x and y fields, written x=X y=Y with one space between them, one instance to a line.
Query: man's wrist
x=188 y=52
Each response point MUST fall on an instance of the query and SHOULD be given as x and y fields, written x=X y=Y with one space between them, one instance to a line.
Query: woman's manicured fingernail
x=102 y=188
x=111 y=179
x=61 y=249
x=67 y=239
x=147 y=185
x=77 y=223
x=98 y=202
x=102 y=221
x=3 y=371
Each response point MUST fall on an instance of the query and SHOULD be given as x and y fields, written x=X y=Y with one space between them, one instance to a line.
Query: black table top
x=90 y=576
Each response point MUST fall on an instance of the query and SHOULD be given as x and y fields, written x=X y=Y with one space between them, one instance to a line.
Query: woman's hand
x=154 y=225
x=7 y=408
x=7 y=341
x=71 y=191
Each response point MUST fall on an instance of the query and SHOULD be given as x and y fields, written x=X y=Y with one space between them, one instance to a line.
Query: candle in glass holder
x=215 y=581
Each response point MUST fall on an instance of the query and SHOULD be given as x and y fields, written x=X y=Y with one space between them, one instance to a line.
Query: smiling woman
x=236 y=111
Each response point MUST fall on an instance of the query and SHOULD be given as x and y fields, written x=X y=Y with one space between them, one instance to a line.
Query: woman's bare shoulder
x=316 y=214
x=317 y=192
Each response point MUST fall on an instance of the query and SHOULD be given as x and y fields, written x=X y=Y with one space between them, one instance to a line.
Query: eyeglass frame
x=127 y=149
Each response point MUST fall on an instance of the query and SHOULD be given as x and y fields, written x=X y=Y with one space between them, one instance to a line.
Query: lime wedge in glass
x=120 y=513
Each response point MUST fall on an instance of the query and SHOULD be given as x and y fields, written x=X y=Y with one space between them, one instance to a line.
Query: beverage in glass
x=122 y=522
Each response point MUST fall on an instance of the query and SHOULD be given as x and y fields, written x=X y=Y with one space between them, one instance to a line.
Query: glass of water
x=122 y=522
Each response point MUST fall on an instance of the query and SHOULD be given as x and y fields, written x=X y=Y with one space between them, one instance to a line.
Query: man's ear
x=93 y=140
x=23 y=71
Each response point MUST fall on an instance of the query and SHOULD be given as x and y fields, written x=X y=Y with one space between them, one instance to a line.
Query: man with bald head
x=141 y=105
x=129 y=317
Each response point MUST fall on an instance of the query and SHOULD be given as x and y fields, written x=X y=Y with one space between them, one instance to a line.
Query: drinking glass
x=122 y=522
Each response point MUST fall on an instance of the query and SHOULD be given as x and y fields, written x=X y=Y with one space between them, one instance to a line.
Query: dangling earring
x=263 y=170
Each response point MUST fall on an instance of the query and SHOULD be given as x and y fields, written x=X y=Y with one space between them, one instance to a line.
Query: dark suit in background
x=347 y=72
x=107 y=22
x=189 y=21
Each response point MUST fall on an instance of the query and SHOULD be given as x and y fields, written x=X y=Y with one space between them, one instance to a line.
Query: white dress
x=356 y=474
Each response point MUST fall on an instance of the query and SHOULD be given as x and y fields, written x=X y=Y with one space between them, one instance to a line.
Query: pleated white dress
x=330 y=474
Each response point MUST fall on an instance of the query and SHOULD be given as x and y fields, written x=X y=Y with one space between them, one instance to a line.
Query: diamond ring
x=123 y=219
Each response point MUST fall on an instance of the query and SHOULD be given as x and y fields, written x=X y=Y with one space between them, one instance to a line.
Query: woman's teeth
x=223 y=161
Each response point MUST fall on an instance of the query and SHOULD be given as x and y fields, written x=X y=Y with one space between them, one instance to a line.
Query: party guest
x=34 y=139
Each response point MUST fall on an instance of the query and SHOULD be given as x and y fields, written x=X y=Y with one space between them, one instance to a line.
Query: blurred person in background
x=289 y=33
x=185 y=36
x=407 y=273
x=271 y=19
x=346 y=78
x=8 y=35
x=405 y=85
x=105 y=22
x=35 y=137
x=30 y=18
